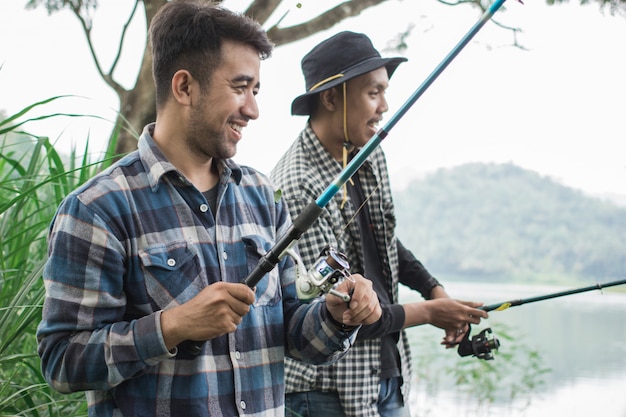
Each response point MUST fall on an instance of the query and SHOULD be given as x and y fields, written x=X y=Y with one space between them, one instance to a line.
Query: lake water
x=579 y=341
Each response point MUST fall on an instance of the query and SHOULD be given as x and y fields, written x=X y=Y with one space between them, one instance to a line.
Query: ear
x=183 y=85
x=328 y=99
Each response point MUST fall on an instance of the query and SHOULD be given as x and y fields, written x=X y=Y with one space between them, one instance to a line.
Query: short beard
x=203 y=140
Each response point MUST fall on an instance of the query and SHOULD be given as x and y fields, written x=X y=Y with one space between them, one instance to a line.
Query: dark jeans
x=326 y=404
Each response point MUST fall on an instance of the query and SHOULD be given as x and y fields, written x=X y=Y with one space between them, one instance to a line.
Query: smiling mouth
x=236 y=127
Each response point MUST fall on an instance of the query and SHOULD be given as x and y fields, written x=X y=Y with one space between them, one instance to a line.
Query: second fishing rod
x=483 y=344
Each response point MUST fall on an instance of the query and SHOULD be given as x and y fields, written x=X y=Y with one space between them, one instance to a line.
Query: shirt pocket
x=268 y=287
x=172 y=273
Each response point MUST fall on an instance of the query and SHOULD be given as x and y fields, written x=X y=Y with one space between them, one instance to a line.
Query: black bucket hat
x=336 y=60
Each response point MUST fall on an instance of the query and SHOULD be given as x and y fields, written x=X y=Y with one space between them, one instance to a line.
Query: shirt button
x=225 y=256
x=242 y=404
x=238 y=355
x=171 y=262
x=204 y=208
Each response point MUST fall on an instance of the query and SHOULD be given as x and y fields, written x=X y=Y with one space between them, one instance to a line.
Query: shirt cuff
x=149 y=339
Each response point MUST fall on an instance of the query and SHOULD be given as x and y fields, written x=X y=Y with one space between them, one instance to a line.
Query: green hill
x=499 y=222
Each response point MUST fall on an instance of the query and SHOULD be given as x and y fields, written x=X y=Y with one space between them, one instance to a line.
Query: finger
x=239 y=309
x=357 y=287
x=242 y=293
x=475 y=310
x=239 y=297
x=474 y=319
x=366 y=312
x=377 y=312
x=449 y=337
x=356 y=312
x=473 y=304
x=480 y=313
x=448 y=345
x=451 y=341
x=459 y=333
x=356 y=295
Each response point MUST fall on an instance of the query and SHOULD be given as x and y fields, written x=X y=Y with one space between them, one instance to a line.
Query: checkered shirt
x=303 y=173
x=138 y=239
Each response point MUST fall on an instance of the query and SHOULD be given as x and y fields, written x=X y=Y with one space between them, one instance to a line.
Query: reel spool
x=329 y=268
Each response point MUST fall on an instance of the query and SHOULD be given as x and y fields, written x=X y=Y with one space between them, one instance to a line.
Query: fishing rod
x=482 y=344
x=311 y=212
x=514 y=303
x=331 y=265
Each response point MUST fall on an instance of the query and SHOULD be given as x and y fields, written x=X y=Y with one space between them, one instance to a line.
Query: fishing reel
x=329 y=268
x=481 y=345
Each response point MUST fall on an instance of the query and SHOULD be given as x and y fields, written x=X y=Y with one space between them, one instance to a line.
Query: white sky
x=557 y=108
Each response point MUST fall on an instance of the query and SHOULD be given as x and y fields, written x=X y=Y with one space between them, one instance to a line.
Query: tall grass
x=34 y=178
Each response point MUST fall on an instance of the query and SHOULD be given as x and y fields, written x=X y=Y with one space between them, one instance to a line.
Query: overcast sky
x=557 y=107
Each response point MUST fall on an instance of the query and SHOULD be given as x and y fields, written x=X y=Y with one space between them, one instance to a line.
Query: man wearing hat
x=346 y=79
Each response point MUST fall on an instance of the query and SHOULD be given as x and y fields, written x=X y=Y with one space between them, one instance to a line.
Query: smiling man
x=144 y=306
x=346 y=80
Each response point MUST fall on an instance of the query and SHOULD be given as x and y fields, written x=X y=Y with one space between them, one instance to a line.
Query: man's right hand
x=216 y=310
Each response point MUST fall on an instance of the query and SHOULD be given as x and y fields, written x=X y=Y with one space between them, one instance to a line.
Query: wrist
x=169 y=332
x=417 y=314
x=438 y=292
x=341 y=326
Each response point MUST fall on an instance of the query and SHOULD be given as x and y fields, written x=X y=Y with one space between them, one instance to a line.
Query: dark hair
x=188 y=34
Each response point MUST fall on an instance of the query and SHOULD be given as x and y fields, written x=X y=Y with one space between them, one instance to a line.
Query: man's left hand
x=363 y=307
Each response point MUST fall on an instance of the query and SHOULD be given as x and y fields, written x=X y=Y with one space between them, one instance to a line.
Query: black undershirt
x=211 y=198
x=372 y=270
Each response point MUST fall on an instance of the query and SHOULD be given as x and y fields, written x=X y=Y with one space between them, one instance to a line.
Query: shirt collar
x=156 y=164
x=317 y=149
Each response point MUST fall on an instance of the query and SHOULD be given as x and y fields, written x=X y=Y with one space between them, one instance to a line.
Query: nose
x=383 y=107
x=250 y=108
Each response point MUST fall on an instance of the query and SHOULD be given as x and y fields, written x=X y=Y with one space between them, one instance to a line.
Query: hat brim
x=301 y=105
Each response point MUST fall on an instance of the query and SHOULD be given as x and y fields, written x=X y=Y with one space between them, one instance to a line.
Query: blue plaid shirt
x=138 y=239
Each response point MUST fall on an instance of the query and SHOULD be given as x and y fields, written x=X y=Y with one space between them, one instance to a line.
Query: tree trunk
x=137 y=108
x=137 y=105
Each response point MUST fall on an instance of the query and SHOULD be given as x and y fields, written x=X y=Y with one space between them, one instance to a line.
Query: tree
x=136 y=104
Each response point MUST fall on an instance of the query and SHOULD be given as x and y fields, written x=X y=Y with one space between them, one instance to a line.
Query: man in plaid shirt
x=150 y=254
x=346 y=79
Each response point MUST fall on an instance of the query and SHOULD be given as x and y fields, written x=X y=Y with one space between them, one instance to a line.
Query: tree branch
x=261 y=10
x=122 y=37
x=324 y=21
x=479 y=5
x=86 y=25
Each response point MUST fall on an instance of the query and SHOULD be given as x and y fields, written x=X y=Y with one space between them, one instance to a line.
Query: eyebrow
x=381 y=85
